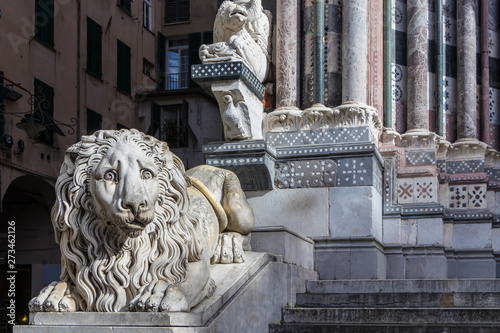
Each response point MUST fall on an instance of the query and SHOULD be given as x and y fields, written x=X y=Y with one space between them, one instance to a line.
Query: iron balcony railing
x=176 y=81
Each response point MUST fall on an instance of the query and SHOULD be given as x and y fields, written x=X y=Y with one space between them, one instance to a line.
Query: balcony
x=175 y=81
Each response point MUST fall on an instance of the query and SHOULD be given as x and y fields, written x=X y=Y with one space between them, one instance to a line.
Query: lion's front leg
x=160 y=296
x=56 y=297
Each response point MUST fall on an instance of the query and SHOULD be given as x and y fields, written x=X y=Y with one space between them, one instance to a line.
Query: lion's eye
x=111 y=176
x=146 y=174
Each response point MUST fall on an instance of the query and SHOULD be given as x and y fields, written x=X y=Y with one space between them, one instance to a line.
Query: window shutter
x=161 y=62
x=123 y=67
x=94 y=121
x=94 y=48
x=176 y=11
x=208 y=37
x=183 y=10
x=2 y=109
x=184 y=124
x=44 y=21
x=194 y=57
x=154 y=127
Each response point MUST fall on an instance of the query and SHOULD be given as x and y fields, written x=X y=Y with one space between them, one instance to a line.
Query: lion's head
x=122 y=217
x=231 y=18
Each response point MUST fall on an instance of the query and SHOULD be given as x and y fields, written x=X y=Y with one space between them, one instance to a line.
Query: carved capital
x=418 y=138
x=442 y=148
x=322 y=117
x=467 y=149
x=492 y=158
x=390 y=137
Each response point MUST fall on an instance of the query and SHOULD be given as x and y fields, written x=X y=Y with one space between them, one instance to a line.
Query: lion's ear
x=167 y=155
x=70 y=159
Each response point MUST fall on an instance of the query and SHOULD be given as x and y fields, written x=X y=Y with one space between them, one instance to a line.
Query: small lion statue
x=241 y=33
x=138 y=233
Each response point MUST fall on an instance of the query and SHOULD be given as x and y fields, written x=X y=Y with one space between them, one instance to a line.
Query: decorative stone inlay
x=325 y=150
x=405 y=191
x=311 y=173
x=477 y=196
x=458 y=197
x=355 y=172
x=493 y=174
x=414 y=158
x=321 y=136
x=345 y=115
x=426 y=189
x=417 y=190
x=453 y=167
x=221 y=147
x=224 y=71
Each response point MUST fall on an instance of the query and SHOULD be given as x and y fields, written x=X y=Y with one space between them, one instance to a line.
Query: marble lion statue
x=241 y=33
x=138 y=233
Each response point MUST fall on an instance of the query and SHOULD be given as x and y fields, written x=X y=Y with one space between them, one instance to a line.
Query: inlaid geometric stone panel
x=355 y=172
x=465 y=166
x=425 y=189
x=477 y=196
x=320 y=136
x=420 y=158
x=458 y=196
x=303 y=174
x=405 y=190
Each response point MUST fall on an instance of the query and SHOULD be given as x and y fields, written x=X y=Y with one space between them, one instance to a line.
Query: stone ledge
x=228 y=278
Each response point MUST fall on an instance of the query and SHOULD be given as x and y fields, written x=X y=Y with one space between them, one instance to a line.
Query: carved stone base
x=251 y=160
x=239 y=94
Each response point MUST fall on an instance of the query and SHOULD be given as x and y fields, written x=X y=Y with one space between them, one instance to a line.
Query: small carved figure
x=236 y=119
x=136 y=232
x=241 y=33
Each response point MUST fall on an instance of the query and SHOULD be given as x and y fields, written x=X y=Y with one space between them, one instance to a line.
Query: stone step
x=408 y=286
x=393 y=316
x=371 y=328
x=401 y=299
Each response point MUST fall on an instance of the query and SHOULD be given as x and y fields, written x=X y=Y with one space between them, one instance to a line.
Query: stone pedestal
x=239 y=94
x=251 y=160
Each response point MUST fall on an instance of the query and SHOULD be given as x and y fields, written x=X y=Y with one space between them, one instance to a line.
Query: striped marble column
x=417 y=16
x=286 y=54
x=466 y=83
x=354 y=50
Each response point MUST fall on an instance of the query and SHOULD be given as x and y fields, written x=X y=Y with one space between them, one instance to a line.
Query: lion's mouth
x=241 y=13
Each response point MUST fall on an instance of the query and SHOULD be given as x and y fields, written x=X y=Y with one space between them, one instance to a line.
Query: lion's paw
x=56 y=297
x=158 y=297
x=229 y=249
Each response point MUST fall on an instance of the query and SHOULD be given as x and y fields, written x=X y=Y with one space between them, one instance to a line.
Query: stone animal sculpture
x=241 y=33
x=136 y=232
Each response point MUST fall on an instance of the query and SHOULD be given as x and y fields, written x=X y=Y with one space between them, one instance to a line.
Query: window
x=170 y=123
x=177 y=64
x=94 y=121
x=44 y=110
x=123 y=68
x=44 y=21
x=148 y=68
x=126 y=5
x=176 y=11
x=195 y=41
x=94 y=48
x=147 y=14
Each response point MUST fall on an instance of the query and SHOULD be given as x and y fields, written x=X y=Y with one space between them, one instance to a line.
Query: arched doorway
x=26 y=205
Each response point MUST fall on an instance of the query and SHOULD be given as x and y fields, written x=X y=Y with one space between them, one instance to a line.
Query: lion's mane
x=107 y=267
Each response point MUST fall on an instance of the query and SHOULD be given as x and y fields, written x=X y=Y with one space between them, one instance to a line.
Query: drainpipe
x=485 y=74
x=388 y=63
x=319 y=52
x=439 y=69
x=78 y=65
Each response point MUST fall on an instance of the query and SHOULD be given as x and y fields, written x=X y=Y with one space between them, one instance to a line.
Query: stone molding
x=349 y=114
x=417 y=138
x=467 y=149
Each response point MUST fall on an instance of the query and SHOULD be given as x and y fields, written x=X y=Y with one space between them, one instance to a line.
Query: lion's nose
x=135 y=206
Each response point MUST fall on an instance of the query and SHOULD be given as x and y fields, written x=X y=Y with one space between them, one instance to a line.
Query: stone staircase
x=451 y=306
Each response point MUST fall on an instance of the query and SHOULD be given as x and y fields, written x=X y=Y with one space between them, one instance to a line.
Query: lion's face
x=234 y=16
x=125 y=188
